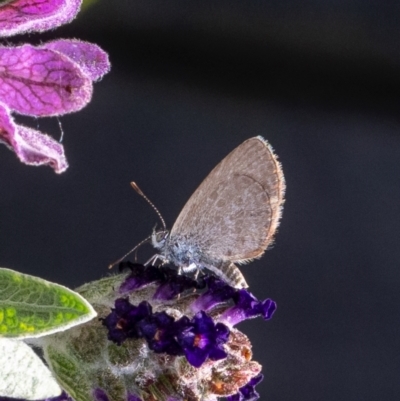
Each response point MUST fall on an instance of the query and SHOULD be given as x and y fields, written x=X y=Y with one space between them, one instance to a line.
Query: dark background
x=192 y=80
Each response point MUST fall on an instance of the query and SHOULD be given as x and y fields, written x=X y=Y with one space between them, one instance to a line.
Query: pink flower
x=48 y=80
x=31 y=146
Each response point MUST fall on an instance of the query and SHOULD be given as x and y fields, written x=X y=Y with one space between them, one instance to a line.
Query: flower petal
x=42 y=82
x=218 y=292
x=247 y=306
x=31 y=147
x=216 y=354
x=122 y=322
x=196 y=356
x=204 y=339
x=248 y=392
x=160 y=331
x=132 y=397
x=170 y=283
x=174 y=284
x=140 y=276
x=90 y=57
x=19 y=16
x=36 y=148
x=100 y=395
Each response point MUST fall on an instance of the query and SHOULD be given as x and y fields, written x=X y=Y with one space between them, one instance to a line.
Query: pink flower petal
x=42 y=82
x=31 y=147
x=90 y=57
x=19 y=16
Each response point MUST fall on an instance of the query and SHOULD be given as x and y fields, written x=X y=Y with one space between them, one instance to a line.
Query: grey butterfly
x=231 y=217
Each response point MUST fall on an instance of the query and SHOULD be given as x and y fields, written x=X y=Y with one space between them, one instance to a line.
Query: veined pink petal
x=36 y=148
x=42 y=82
x=19 y=16
x=31 y=147
x=90 y=57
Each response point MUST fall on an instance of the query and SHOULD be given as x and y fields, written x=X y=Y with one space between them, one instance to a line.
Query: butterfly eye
x=161 y=236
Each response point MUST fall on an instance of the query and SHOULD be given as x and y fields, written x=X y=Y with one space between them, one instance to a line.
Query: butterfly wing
x=235 y=211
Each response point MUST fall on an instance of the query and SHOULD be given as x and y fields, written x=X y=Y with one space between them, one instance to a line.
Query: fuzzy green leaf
x=69 y=373
x=32 y=307
x=23 y=374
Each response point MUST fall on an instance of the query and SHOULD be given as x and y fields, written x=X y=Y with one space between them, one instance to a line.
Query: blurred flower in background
x=52 y=79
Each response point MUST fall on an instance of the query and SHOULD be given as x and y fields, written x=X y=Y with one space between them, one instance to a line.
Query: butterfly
x=230 y=219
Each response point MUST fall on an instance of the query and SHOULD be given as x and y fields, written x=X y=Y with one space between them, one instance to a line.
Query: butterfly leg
x=153 y=259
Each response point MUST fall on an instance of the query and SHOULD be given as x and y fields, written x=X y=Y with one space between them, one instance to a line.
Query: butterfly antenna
x=139 y=191
x=128 y=253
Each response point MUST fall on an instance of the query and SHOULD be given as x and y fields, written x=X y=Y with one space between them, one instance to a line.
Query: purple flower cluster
x=52 y=79
x=198 y=338
x=181 y=317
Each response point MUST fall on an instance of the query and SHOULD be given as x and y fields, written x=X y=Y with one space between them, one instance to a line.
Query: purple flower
x=203 y=339
x=100 y=395
x=173 y=285
x=170 y=286
x=132 y=397
x=160 y=330
x=122 y=321
x=247 y=392
x=48 y=80
x=247 y=306
x=140 y=276
x=218 y=293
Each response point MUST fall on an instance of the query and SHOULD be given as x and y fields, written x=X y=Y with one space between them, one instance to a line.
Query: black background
x=192 y=80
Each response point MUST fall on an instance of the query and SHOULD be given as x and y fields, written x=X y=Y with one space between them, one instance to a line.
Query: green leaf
x=100 y=290
x=31 y=307
x=23 y=374
x=69 y=374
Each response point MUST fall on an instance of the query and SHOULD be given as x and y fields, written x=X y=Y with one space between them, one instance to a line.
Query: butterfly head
x=159 y=238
